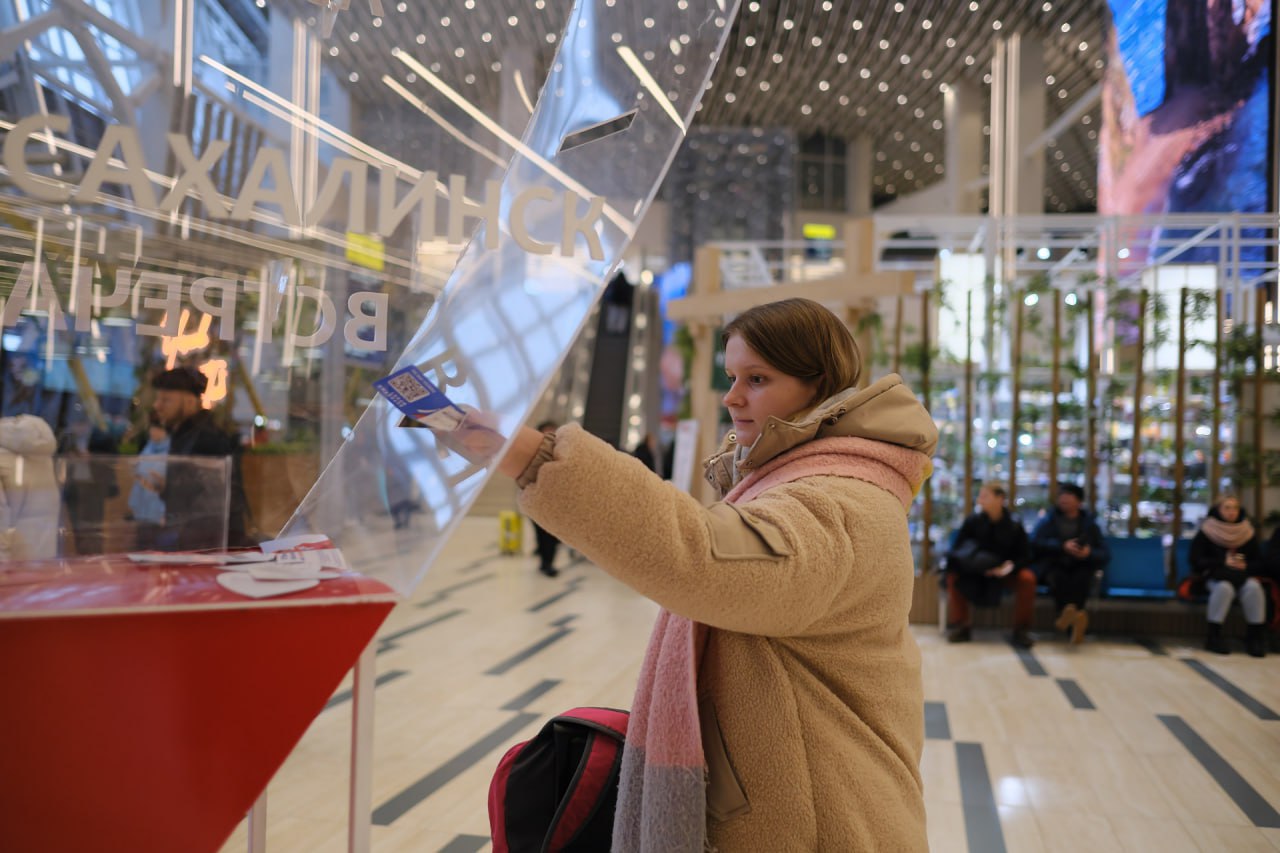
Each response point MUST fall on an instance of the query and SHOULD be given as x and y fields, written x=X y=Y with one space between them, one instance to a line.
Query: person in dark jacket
x=199 y=503
x=990 y=556
x=547 y=543
x=1069 y=549
x=1226 y=558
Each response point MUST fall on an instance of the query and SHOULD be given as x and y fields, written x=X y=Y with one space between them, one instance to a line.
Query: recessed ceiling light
x=902 y=100
x=926 y=24
x=927 y=74
x=823 y=85
x=764 y=85
x=354 y=37
x=864 y=73
x=843 y=100
x=354 y=77
x=937 y=124
x=788 y=24
x=777 y=58
x=749 y=41
x=816 y=41
x=729 y=97
x=995 y=25
x=857 y=25
x=1084 y=45
x=882 y=86
x=951 y=42
x=1066 y=27
x=842 y=58
x=421 y=39
x=884 y=44
x=444 y=22
x=805 y=109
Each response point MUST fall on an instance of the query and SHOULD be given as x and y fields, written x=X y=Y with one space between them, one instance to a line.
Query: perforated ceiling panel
x=843 y=69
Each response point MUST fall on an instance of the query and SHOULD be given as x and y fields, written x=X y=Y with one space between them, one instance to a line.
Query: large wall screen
x=1187 y=107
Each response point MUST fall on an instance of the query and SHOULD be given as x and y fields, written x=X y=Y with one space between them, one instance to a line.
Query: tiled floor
x=1109 y=746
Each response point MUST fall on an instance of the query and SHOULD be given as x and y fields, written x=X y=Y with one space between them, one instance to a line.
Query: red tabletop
x=145 y=707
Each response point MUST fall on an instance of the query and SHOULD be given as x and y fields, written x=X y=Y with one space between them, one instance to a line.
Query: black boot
x=1215 y=642
x=1255 y=642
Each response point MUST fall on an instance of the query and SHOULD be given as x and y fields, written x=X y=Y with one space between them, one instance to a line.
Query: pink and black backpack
x=557 y=792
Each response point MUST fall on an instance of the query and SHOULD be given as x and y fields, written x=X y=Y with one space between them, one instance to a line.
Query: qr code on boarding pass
x=408 y=387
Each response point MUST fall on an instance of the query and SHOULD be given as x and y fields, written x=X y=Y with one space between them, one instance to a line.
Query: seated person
x=990 y=556
x=1225 y=558
x=1069 y=550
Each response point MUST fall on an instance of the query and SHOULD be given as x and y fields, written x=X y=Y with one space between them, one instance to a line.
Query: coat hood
x=27 y=435
x=885 y=411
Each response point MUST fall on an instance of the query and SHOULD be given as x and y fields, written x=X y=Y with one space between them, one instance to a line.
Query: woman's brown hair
x=803 y=339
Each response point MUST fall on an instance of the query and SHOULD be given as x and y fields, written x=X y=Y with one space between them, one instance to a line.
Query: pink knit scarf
x=1230 y=535
x=662 y=789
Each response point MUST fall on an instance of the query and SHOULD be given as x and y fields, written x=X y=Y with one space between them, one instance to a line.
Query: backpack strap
x=609 y=721
x=601 y=761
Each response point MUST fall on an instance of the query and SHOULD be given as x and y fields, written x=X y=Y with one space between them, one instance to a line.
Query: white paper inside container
x=507 y=315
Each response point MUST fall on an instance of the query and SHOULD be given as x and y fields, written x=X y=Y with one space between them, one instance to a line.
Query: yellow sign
x=366 y=251
x=818 y=231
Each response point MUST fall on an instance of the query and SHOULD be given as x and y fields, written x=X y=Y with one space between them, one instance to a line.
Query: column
x=1029 y=124
x=963 y=120
x=858 y=170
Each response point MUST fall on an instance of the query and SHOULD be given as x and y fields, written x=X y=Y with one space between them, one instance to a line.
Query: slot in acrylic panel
x=530 y=276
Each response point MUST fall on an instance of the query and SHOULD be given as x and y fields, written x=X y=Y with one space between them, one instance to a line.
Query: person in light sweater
x=780 y=703
x=30 y=502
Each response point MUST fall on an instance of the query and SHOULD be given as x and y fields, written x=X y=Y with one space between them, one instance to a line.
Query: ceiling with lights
x=833 y=67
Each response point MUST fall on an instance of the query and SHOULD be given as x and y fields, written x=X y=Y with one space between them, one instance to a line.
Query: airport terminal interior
x=336 y=338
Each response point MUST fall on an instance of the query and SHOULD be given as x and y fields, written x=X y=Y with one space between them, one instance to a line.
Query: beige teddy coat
x=810 y=670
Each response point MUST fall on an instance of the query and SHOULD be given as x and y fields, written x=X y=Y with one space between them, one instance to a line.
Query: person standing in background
x=547 y=543
x=196 y=507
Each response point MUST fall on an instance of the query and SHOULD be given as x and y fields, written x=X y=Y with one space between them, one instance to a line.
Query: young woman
x=780 y=701
x=1225 y=556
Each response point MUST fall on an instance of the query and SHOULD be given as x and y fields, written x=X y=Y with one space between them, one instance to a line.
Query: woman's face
x=1230 y=510
x=760 y=391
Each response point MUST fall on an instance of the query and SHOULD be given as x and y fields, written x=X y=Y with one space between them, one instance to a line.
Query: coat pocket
x=726 y=798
